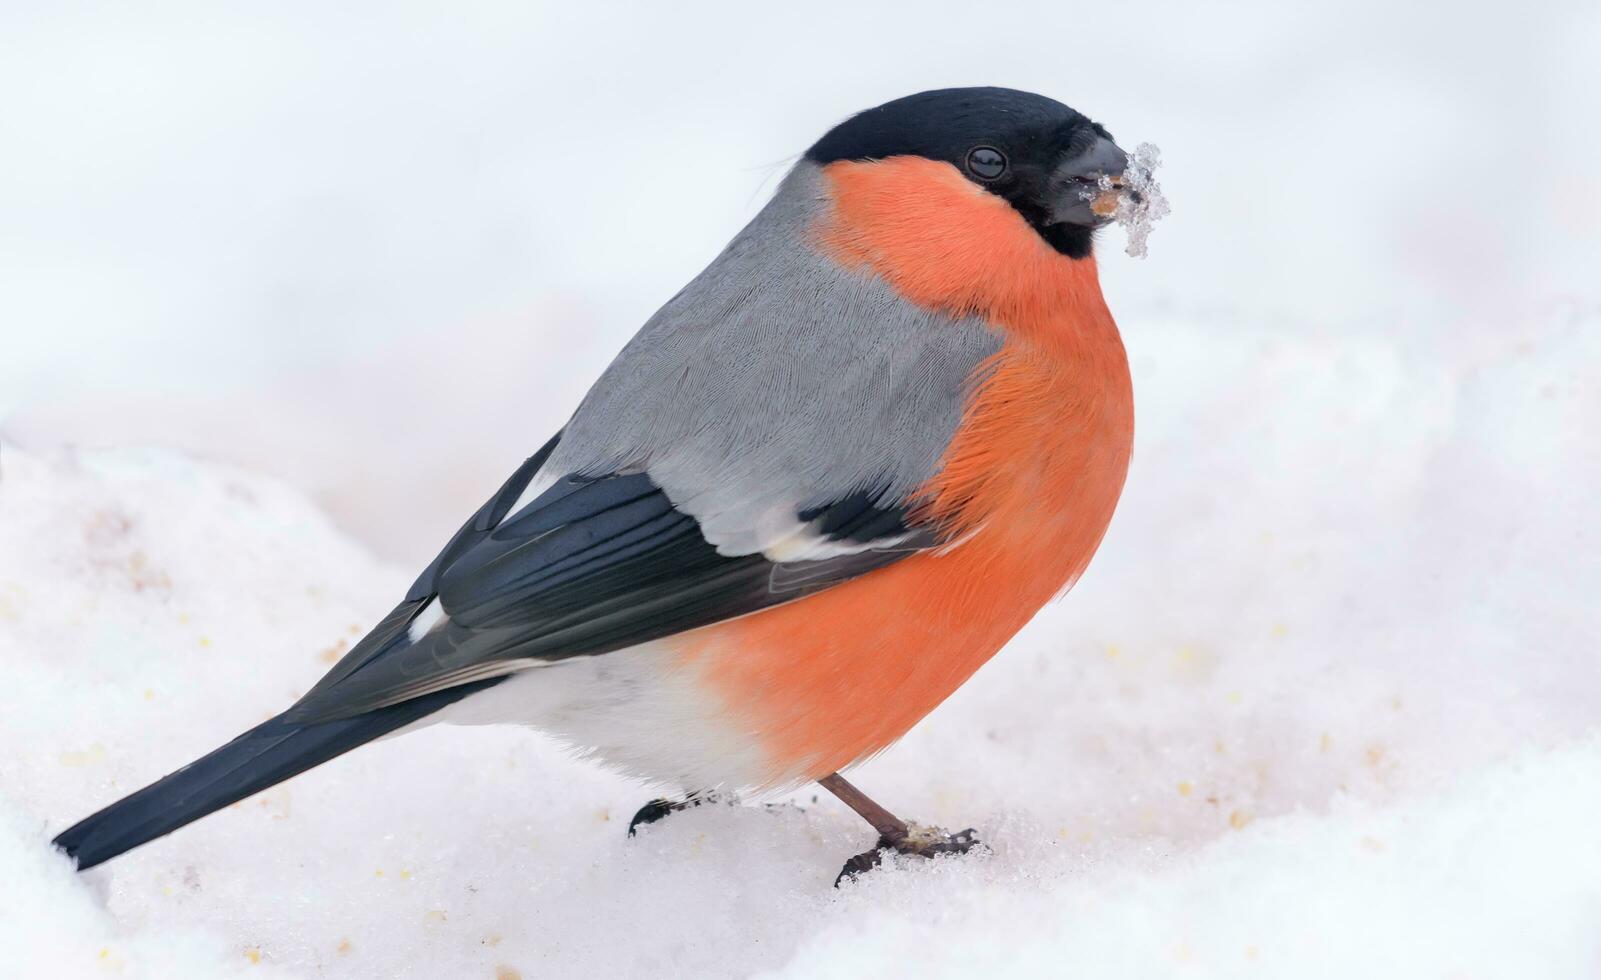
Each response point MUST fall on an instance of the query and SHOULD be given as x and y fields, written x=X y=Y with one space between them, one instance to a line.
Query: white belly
x=635 y=710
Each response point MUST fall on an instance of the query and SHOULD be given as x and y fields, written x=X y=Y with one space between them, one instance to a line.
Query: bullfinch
x=827 y=481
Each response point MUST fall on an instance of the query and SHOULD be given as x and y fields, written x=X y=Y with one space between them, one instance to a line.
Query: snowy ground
x=1325 y=704
x=1323 y=707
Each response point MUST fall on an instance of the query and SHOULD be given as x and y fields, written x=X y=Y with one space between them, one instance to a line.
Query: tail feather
x=266 y=755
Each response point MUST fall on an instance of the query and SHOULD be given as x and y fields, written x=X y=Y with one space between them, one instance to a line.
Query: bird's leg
x=891 y=828
x=894 y=834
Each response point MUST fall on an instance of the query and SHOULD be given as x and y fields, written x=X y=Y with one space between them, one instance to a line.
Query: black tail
x=264 y=756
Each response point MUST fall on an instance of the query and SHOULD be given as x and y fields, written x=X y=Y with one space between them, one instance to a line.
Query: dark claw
x=863 y=862
x=920 y=842
x=658 y=809
x=958 y=843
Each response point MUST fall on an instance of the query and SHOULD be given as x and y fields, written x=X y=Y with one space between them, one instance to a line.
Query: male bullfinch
x=822 y=485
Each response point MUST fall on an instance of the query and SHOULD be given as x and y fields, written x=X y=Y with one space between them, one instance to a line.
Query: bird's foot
x=661 y=809
x=919 y=840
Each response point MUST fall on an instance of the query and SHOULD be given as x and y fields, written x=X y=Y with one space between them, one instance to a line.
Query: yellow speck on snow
x=1239 y=819
x=504 y=972
x=253 y=955
x=88 y=757
x=343 y=948
x=11 y=599
x=332 y=654
x=1185 y=789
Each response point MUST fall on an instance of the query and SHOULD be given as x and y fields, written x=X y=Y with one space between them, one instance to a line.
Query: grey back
x=776 y=381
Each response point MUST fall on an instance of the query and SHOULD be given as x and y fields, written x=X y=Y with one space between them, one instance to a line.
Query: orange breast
x=1029 y=483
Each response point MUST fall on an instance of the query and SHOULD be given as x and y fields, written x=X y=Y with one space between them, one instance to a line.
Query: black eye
x=986 y=162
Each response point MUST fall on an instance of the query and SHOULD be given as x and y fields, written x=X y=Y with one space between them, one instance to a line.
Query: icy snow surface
x=1322 y=707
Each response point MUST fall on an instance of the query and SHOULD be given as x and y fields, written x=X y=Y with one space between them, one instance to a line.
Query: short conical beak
x=1086 y=186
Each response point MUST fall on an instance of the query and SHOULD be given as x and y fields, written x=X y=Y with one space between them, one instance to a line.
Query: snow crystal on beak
x=1140 y=203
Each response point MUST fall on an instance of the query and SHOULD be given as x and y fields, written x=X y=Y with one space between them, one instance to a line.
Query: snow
x=1324 y=706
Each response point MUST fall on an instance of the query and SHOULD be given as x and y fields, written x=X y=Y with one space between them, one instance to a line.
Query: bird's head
x=1053 y=165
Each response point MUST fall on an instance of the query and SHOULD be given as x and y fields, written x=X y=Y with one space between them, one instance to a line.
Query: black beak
x=1086 y=186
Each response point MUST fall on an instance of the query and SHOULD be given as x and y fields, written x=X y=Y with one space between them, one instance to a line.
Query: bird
x=820 y=487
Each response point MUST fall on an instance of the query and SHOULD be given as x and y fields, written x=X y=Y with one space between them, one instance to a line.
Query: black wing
x=593 y=564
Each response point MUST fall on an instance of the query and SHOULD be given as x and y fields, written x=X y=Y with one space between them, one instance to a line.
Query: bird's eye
x=986 y=162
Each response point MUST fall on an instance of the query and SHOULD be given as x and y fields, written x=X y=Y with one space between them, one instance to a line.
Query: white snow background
x=1325 y=704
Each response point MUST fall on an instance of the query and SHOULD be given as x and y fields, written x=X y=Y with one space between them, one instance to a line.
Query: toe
x=925 y=842
x=652 y=812
x=861 y=864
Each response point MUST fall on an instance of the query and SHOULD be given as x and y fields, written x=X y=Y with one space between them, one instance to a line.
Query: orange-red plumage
x=1028 y=485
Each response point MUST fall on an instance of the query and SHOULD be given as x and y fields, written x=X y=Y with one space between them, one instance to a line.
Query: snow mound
x=1494 y=877
x=1322 y=707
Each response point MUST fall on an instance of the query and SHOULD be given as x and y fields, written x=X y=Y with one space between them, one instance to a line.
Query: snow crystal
x=1137 y=203
x=1142 y=204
